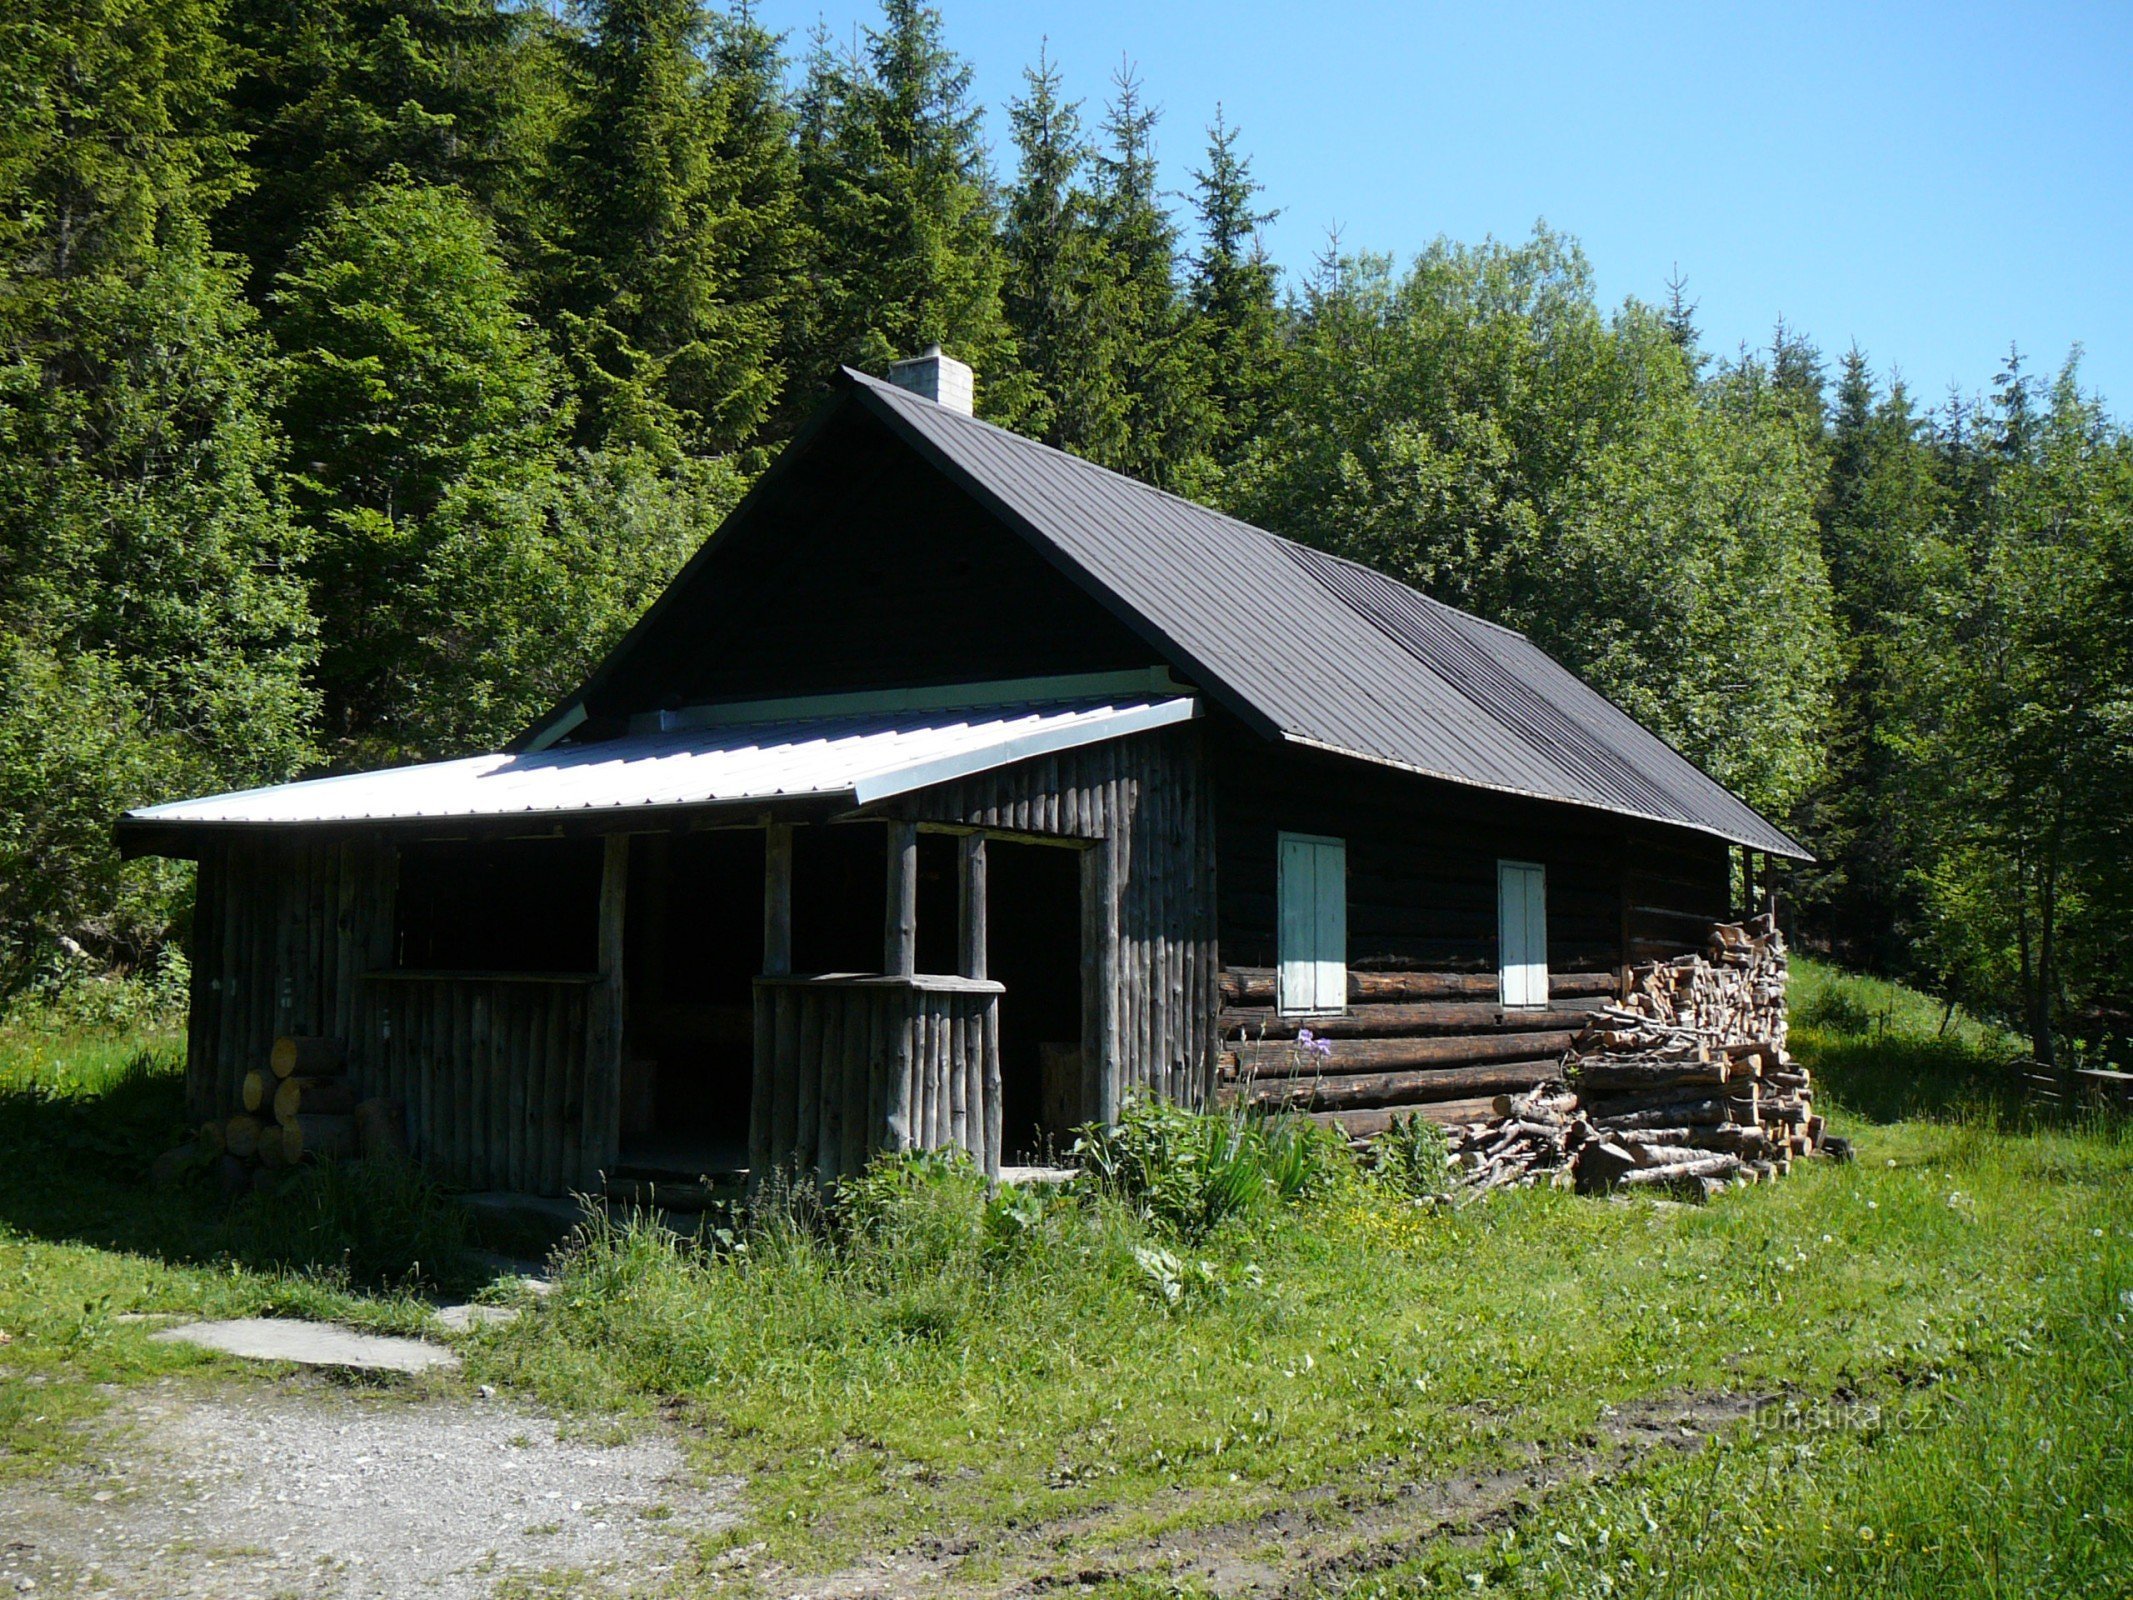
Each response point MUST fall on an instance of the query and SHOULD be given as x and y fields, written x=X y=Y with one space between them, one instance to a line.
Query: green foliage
x=1411 y=1158
x=895 y=188
x=338 y=96
x=1188 y=1172
x=1235 y=294
x=411 y=382
x=1056 y=293
x=679 y=240
x=1479 y=429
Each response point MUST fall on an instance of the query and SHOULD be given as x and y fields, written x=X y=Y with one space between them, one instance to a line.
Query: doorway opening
x=692 y=945
x=1033 y=949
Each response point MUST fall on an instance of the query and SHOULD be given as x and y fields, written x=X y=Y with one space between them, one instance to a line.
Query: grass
x=86 y=1245
x=1042 y=1382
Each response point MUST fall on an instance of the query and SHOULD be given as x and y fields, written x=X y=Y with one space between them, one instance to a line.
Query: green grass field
x=1917 y=1365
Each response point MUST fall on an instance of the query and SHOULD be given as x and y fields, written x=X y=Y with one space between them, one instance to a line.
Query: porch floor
x=682 y=1157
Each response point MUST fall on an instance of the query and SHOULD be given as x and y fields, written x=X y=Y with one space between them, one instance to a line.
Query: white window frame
x=1522 y=934
x=1311 y=924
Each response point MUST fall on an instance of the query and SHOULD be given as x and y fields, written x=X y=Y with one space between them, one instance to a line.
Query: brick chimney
x=942 y=379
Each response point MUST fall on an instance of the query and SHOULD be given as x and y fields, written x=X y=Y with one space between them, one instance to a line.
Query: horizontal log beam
x=1254 y=986
x=1387 y=1055
x=1398 y=1088
x=1369 y=1123
x=1381 y=1021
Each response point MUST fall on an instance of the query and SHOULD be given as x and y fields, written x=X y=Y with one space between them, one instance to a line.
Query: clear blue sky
x=1930 y=181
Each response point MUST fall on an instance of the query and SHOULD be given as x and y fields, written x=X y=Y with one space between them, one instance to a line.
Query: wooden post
x=900 y=936
x=777 y=900
x=970 y=871
x=1099 y=983
x=603 y=1075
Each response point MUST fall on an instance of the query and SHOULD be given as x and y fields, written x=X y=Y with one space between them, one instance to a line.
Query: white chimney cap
x=941 y=379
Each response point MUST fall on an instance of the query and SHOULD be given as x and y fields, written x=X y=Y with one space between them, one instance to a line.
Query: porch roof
x=858 y=756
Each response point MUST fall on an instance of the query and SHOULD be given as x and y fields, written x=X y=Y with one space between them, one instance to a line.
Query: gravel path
x=304 y=1490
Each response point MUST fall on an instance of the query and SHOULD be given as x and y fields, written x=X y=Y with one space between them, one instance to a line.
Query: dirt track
x=306 y=1488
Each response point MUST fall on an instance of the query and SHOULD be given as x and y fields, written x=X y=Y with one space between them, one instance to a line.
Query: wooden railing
x=848 y=1065
x=500 y=1074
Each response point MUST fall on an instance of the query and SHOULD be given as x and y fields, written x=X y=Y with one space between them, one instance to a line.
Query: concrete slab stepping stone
x=458 y=1319
x=311 y=1344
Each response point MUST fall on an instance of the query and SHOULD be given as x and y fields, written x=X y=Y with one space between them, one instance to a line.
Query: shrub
x=1186 y=1171
x=1409 y=1157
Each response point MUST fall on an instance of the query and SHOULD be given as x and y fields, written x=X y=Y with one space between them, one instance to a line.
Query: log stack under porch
x=1440 y=1043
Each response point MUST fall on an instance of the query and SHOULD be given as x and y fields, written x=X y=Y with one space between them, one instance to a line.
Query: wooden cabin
x=956 y=790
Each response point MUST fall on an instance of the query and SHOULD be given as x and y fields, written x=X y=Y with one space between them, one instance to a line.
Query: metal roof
x=1320 y=651
x=863 y=756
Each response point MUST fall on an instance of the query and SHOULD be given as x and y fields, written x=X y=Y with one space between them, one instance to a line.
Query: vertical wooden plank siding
x=1151 y=969
x=506 y=1082
x=880 y=1063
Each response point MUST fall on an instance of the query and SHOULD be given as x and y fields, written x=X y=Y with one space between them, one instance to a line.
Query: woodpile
x=1684 y=1085
x=300 y=1108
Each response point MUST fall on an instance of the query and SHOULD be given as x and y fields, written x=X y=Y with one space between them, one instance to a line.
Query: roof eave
x=1790 y=848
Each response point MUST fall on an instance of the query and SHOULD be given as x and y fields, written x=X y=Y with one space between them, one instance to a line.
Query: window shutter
x=1312 y=931
x=1330 y=978
x=1522 y=932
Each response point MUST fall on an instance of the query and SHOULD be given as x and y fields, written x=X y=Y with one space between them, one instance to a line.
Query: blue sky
x=1932 y=182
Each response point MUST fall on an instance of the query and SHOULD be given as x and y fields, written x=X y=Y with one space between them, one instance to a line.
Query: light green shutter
x=1312 y=924
x=1522 y=932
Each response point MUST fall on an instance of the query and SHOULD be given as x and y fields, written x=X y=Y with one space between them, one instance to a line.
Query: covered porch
x=749 y=948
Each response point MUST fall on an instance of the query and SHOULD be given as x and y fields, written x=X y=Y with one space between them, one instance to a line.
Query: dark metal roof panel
x=1329 y=653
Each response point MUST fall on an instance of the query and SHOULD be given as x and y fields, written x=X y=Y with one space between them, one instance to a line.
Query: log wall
x=508 y=1080
x=848 y=1067
x=1151 y=981
x=1425 y=1029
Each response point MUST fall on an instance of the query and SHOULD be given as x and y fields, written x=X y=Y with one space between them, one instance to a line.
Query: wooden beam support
x=900 y=931
x=970 y=880
x=602 y=1127
x=777 y=900
x=1101 y=1066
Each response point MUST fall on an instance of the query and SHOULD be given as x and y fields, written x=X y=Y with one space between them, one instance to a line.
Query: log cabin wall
x=507 y=1080
x=1425 y=1026
x=1151 y=971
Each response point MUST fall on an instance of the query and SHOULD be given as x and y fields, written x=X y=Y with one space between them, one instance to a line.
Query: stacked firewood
x=1685 y=1085
x=300 y=1107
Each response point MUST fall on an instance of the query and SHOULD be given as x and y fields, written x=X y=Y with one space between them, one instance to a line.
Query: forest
x=366 y=366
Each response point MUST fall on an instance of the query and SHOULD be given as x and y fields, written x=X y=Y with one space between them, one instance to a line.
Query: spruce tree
x=680 y=243
x=1056 y=285
x=896 y=189
x=1149 y=334
x=335 y=96
x=1235 y=293
x=1878 y=511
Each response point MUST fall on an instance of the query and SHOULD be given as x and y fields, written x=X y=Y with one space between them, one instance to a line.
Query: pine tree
x=1055 y=280
x=1235 y=293
x=895 y=187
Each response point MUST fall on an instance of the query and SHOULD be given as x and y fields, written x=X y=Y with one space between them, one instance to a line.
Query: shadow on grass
x=74 y=1165
x=1906 y=1078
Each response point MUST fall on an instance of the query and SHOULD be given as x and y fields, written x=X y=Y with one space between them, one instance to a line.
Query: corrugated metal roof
x=866 y=756
x=1322 y=651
